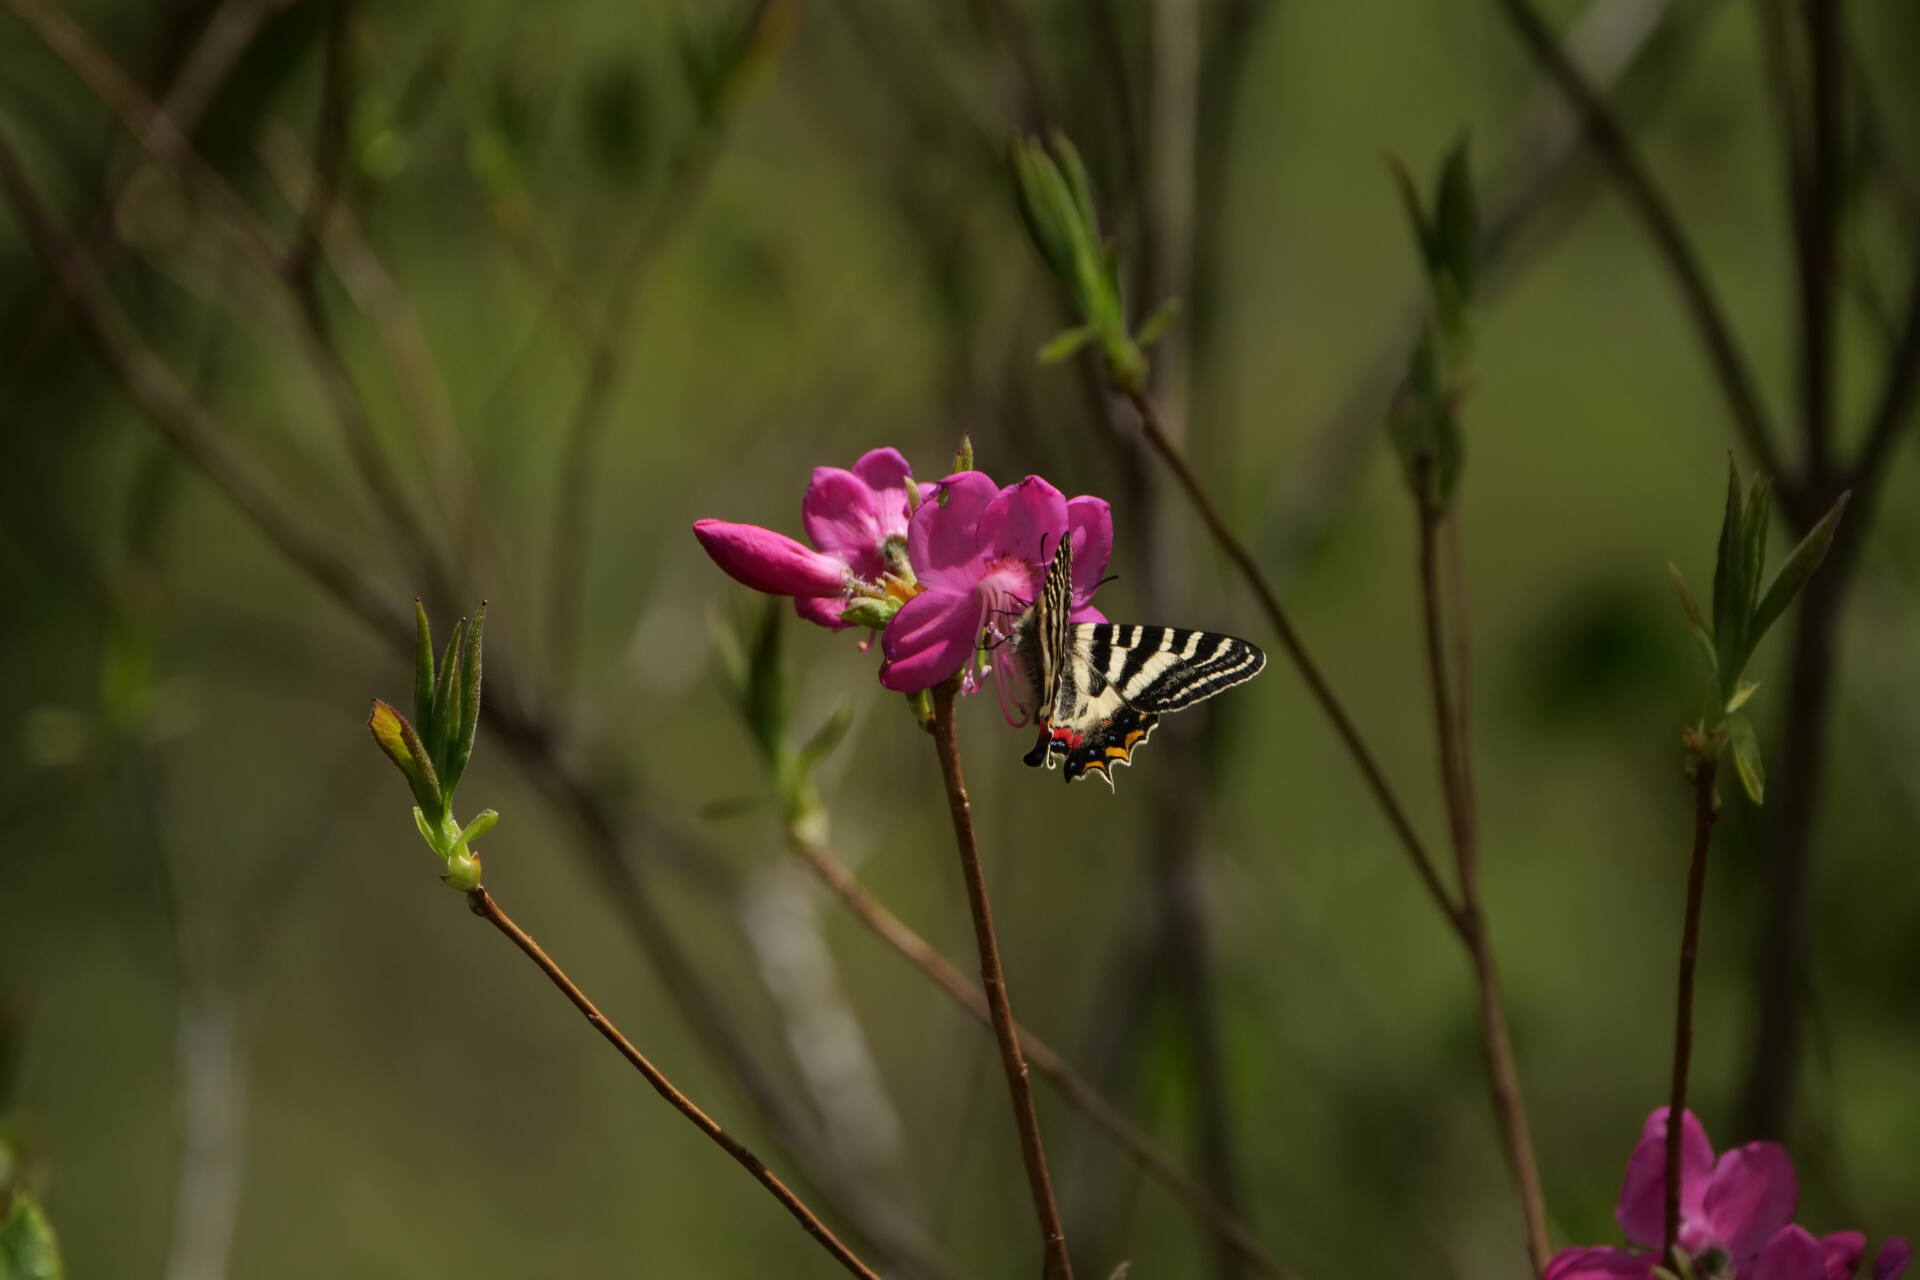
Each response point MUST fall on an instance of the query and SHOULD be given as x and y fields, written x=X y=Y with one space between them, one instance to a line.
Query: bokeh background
x=247 y=1034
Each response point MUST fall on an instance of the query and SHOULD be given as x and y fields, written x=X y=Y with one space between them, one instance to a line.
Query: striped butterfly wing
x=1117 y=680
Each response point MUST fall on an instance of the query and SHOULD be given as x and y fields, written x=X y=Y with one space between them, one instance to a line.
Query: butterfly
x=1103 y=686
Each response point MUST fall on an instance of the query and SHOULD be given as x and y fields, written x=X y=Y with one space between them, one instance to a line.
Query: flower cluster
x=1736 y=1218
x=942 y=570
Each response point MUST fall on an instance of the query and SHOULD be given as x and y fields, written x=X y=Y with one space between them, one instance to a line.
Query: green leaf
x=422 y=665
x=1797 y=568
x=1455 y=232
x=1075 y=171
x=1689 y=605
x=1416 y=214
x=460 y=744
x=1741 y=694
x=439 y=725
x=1746 y=758
x=769 y=695
x=397 y=738
x=482 y=823
x=1728 y=617
x=1063 y=345
x=1156 y=325
x=27 y=1247
x=1754 y=554
x=828 y=736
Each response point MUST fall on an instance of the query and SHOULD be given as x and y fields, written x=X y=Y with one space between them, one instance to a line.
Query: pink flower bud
x=769 y=561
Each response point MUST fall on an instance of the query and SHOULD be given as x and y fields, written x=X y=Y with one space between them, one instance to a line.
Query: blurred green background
x=249 y=1034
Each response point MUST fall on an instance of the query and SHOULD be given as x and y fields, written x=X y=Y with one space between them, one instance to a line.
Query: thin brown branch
x=225 y=38
x=1611 y=142
x=189 y=428
x=1302 y=660
x=487 y=909
x=1450 y=729
x=523 y=728
x=1026 y=1119
x=1706 y=806
x=155 y=130
x=1041 y=1056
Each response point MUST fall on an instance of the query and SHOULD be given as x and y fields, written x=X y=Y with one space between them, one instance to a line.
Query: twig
x=524 y=729
x=1026 y=1119
x=1303 y=661
x=487 y=909
x=152 y=126
x=1040 y=1055
x=1450 y=727
x=1617 y=150
x=225 y=38
x=185 y=424
x=1706 y=807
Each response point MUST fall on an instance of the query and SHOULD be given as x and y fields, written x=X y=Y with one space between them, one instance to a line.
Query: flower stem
x=487 y=909
x=1706 y=807
x=1456 y=776
x=1078 y=1092
x=1026 y=1119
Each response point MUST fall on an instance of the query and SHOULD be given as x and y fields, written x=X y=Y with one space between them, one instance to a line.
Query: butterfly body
x=1103 y=686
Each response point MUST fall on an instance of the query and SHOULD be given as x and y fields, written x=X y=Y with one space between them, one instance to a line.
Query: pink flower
x=1736 y=1210
x=1734 y=1205
x=770 y=562
x=859 y=516
x=981 y=556
x=852 y=517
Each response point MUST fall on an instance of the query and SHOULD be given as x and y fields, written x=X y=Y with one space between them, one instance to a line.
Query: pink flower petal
x=1090 y=521
x=1752 y=1195
x=1892 y=1260
x=1642 y=1211
x=885 y=469
x=845 y=517
x=1843 y=1250
x=931 y=638
x=942 y=541
x=823 y=611
x=769 y=561
x=1087 y=613
x=1598 y=1264
x=1024 y=521
x=1792 y=1254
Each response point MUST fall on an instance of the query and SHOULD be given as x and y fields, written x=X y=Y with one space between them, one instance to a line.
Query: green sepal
x=1746 y=758
x=962 y=460
x=28 y=1250
x=1797 y=568
x=870 y=612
